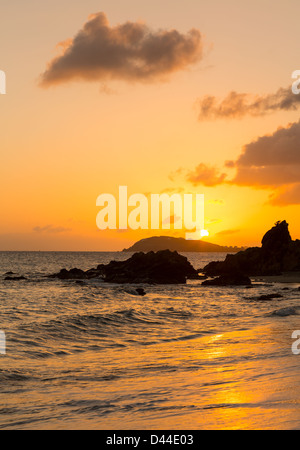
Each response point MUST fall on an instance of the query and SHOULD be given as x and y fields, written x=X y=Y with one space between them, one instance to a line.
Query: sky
x=173 y=96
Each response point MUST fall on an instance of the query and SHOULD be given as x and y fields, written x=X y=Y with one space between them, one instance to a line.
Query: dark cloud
x=265 y=177
x=237 y=105
x=271 y=160
x=129 y=51
x=282 y=147
x=206 y=175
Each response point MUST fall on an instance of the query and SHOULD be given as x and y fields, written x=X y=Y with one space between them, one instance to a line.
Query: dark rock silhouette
x=73 y=274
x=14 y=278
x=278 y=253
x=197 y=276
x=269 y=296
x=163 y=267
x=139 y=291
x=237 y=279
x=265 y=297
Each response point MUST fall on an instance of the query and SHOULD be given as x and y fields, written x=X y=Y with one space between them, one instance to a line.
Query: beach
x=93 y=356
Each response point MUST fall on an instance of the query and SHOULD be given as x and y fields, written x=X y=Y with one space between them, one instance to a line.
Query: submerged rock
x=14 y=278
x=269 y=296
x=265 y=297
x=73 y=274
x=236 y=279
x=284 y=312
x=138 y=291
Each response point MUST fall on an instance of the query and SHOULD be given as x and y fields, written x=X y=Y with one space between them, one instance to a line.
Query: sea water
x=91 y=355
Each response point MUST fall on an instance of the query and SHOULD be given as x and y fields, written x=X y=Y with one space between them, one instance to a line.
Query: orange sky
x=110 y=114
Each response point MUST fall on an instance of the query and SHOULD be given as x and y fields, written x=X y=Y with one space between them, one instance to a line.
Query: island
x=157 y=243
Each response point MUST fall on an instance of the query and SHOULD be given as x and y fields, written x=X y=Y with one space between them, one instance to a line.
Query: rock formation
x=278 y=253
x=163 y=267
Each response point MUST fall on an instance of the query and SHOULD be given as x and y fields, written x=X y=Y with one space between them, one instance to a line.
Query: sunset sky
x=179 y=96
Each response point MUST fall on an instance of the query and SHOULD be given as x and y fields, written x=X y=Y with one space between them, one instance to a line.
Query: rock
x=284 y=312
x=269 y=296
x=163 y=267
x=78 y=274
x=237 y=279
x=141 y=292
x=94 y=273
x=138 y=291
x=245 y=262
x=15 y=278
x=196 y=276
x=278 y=253
x=9 y=273
x=73 y=274
x=264 y=297
x=277 y=238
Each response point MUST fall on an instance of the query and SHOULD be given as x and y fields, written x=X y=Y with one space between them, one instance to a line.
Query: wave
x=14 y=375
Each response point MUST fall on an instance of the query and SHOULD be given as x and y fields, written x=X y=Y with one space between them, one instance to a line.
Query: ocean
x=92 y=355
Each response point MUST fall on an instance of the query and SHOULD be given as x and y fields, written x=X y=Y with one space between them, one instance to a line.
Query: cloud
x=176 y=173
x=130 y=51
x=237 y=105
x=271 y=160
x=213 y=221
x=206 y=175
x=227 y=232
x=172 y=190
x=286 y=196
x=51 y=229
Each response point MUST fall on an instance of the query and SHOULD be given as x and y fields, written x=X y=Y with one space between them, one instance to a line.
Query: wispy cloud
x=216 y=202
x=227 y=232
x=51 y=229
x=237 y=105
x=206 y=175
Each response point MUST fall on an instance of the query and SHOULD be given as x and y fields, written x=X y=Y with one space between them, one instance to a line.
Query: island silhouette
x=157 y=243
